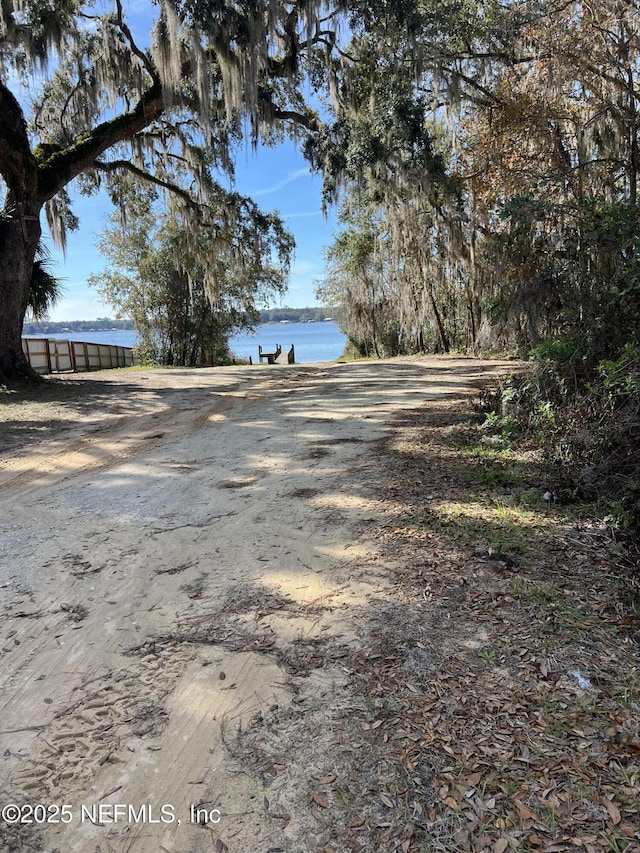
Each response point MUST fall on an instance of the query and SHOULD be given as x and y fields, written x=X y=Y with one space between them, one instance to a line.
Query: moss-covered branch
x=125 y=165
x=66 y=164
x=17 y=164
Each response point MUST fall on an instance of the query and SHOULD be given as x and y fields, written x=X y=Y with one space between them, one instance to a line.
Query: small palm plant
x=46 y=289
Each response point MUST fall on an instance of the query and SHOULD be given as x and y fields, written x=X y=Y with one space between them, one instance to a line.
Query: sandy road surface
x=168 y=569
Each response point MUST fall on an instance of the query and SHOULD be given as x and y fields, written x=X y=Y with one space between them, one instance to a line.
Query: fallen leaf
x=614 y=812
x=525 y=812
x=320 y=800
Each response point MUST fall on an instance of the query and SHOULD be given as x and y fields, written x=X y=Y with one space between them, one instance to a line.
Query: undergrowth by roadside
x=585 y=417
x=493 y=703
x=516 y=676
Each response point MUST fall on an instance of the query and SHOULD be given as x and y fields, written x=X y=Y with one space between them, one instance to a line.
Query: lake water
x=312 y=341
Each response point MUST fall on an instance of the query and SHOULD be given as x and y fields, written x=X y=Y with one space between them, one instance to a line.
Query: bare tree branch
x=142 y=56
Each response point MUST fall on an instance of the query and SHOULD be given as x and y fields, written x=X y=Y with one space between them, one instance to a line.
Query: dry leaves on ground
x=504 y=675
x=493 y=703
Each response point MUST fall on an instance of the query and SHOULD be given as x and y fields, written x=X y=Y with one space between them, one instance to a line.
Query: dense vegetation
x=294 y=315
x=487 y=159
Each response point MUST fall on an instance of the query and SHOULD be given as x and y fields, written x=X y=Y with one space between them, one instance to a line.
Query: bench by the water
x=272 y=357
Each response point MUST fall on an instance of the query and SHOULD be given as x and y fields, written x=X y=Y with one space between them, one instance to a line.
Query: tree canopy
x=496 y=147
x=81 y=98
x=492 y=148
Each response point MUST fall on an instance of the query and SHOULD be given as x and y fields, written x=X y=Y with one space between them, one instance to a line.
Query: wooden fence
x=49 y=355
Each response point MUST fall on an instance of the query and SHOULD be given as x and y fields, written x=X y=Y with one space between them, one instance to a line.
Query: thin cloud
x=302 y=215
x=291 y=177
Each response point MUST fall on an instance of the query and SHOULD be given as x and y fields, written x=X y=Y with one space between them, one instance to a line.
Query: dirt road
x=182 y=560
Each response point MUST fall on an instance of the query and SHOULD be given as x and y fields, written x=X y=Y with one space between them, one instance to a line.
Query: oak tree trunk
x=19 y=235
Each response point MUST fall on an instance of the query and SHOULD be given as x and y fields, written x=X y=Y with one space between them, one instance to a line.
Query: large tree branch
x=65 y=165
x=62 y=166
x=311 y=123
x=17 y=164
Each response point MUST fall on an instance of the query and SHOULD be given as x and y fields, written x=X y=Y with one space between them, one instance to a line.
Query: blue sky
x=276 y=178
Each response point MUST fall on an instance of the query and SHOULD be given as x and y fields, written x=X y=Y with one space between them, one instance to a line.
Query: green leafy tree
x=158 y=283
x=410 y=75
x=357 y=287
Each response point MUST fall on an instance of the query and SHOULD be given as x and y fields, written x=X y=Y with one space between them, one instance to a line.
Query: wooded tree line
x=311 y=314
x=485 y=157
x=489 y=154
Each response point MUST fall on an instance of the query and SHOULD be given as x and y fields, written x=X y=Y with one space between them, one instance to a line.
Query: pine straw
x=494 y=703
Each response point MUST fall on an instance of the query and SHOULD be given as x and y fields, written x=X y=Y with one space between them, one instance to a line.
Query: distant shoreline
x=99 y=325
x=108 y=324
x=313 y=340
